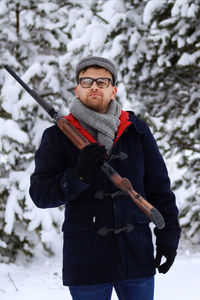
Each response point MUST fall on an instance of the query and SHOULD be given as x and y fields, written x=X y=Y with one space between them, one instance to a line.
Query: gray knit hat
x=97 y=61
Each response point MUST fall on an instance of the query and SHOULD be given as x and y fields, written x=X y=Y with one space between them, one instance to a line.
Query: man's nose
x=94 y=85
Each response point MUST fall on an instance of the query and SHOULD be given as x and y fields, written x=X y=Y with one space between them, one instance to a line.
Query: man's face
x=94 y=97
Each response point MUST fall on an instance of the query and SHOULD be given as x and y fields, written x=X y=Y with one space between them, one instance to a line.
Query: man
x=107 y=239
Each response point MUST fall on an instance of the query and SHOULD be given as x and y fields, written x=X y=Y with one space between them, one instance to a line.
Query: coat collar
x=124 y=123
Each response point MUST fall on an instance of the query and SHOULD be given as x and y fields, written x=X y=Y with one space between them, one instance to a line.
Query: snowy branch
x=101 y=18
x=188 y=147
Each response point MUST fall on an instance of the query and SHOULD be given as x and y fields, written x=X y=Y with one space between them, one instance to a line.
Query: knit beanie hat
x=97 y=61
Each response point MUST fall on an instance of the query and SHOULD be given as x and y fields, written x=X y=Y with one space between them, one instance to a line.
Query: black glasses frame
x=97 y=80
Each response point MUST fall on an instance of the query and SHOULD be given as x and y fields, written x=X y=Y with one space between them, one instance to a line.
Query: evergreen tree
x=169 y=90
x=32 y=37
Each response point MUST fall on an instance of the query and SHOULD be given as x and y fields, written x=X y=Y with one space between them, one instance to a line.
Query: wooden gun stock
x=80 y=142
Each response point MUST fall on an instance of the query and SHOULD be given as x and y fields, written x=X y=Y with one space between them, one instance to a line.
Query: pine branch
x=188 y=147
x=47 y=93
x=102 y=19
x=180 y=78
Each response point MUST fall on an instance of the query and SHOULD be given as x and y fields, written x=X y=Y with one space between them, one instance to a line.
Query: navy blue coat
x=90 y=256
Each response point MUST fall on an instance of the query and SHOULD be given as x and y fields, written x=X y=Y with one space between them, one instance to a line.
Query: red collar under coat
x=124 y=123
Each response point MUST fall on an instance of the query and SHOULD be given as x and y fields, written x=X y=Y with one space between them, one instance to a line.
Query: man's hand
x=169 y=253
x=91 y=156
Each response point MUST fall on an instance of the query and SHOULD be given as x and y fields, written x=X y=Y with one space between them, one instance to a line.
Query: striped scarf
x=102 y=127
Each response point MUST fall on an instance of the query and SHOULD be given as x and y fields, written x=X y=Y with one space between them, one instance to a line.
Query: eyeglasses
x=87 y=82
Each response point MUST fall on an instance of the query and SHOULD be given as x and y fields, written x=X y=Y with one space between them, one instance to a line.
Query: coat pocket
x=80 y=244
x=79 y=225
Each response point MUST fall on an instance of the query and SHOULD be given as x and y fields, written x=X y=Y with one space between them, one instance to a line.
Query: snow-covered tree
x=156 y=47
x=32 y=37
x=169 y=89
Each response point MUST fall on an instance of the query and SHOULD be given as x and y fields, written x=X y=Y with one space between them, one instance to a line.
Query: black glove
x=169 y=253
x=91 y=156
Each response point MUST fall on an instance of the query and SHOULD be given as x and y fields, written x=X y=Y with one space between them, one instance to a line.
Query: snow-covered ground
x=41 y=279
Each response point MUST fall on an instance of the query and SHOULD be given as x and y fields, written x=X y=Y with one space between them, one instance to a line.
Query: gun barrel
x=49 y=109
x=17 y=78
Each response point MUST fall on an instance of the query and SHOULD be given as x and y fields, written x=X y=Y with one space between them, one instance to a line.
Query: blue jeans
x=134 y=289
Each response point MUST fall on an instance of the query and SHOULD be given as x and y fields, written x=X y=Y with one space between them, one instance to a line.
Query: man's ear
x=76 y=91
x=114 y=93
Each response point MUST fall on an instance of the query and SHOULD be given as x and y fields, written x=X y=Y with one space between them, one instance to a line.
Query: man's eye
x=102 y=82
x=87 y=81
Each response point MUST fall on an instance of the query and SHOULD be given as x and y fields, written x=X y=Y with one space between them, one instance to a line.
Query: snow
x=98 y=37
x=187 y=59
x=42 y=279
x=110 y=9
x=116 y=45
x=47 y=7
x=192 y=11
x=94 y=36
x=12 y=208
x=176 y=8
x=135 y=37
x=116 y=19
x=11 y=129
x=184 y=9
x=150 y=9
x=3 y=8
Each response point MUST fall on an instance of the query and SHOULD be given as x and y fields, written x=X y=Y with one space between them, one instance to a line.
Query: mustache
x=95 y=92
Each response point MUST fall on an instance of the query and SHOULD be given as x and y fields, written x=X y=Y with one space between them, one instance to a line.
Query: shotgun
x=80 y=142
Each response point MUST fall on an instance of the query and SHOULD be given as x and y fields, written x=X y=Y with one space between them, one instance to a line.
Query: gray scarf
x=102 y=127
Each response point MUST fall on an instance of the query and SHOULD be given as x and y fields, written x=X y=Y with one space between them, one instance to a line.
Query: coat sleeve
x=53 y=183
x=158 y=191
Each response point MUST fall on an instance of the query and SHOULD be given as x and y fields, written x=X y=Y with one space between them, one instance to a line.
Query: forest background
x=156 y=46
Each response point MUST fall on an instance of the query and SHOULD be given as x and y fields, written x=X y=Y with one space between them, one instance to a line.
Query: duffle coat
x=106 y=236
